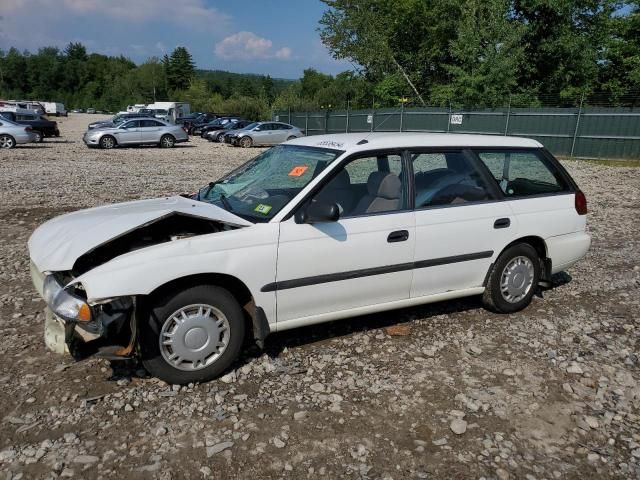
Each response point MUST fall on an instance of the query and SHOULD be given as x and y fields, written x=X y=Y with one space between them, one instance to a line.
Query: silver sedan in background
x=140 y=131
x=264 y=133
x=12 y=134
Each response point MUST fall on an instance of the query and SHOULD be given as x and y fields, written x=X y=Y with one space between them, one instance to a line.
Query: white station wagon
x=317 y=229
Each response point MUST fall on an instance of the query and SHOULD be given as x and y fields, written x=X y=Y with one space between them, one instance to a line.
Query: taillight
x=581 y=203
x=27 y=129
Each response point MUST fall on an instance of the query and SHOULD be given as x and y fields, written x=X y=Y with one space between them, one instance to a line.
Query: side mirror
x=318 y=212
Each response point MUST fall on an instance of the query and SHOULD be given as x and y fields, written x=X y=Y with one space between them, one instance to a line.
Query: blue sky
x=275 y=37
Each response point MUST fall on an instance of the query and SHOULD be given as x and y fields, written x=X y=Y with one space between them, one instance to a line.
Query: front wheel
x=107 y=142
x=513 y=279
x=246 y=142
x=167 y=141
x=192 y=336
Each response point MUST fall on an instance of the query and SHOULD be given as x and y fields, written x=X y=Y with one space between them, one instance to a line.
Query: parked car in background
x=218 y=134
x=91 y=110
x=200 y=119
x=12 y=134
x=16 y=105
x=263 y=133
x=41 y=127
x=118 y=119
x=77 y=110
x=138 y=131
x=217 y=124
x=319 y=229
x=54 y=108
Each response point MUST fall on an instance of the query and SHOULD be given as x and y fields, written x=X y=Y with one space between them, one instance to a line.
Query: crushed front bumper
x=111 y=325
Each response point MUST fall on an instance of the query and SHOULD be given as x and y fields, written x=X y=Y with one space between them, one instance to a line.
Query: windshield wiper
x=226 y=203
x=211 y=185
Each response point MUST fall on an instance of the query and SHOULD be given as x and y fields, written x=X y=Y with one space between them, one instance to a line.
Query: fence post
x=346 y=128
x=401 y=115
x=326 y=121
x=306 y=122
x=373 y=118
x=506 y=124
x=449 y=118
x=575 y=131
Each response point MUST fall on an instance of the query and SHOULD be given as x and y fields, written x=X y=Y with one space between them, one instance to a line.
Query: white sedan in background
x=318 y=229
x=138 y=131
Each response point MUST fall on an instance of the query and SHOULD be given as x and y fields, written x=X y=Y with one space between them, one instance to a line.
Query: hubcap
x=167 y=142
x=107 y=142
x=194 y=337
x=6 y=142
x=517 y=279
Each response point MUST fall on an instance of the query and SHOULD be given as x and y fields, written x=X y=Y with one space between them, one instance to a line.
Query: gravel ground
x=447 y=390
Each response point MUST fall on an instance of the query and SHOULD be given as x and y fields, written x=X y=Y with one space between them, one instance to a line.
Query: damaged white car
x=317 y=229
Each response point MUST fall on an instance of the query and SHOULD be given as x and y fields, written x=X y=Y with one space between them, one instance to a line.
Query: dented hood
x=57 y=244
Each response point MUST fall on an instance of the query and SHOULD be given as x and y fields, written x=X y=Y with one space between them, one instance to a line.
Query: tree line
x=469 y=53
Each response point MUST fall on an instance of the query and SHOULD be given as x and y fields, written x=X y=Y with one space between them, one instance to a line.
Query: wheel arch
x=540 y=247
x=255 y=318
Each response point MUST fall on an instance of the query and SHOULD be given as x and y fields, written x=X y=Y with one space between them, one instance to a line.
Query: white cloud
x=249 y=46
x=190 y=13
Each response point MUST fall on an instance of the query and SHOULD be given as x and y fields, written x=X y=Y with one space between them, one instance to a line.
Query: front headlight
x=63 y=303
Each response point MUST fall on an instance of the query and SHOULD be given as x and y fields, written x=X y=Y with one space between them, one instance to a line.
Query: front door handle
x=502 y=223
x=398 y=236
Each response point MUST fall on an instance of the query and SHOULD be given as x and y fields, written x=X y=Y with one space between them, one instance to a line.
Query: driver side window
x=367 y=185
x=446 y=178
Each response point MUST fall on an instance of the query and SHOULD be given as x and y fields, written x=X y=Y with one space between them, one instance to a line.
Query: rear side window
x=523 y=173
x=446 y=178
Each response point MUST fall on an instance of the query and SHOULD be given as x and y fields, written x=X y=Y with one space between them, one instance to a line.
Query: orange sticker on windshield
x=298 y=171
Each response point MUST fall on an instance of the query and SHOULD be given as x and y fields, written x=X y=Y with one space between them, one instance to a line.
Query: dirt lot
x=551 y=392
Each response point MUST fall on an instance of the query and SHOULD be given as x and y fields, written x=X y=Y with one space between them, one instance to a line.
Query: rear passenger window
x=447 y=178
x=523 y=173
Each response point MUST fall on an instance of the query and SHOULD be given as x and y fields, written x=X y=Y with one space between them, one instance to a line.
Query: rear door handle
x=502 y=223
x=398 y=236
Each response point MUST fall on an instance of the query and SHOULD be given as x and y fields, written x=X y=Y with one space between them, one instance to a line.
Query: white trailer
x=174 y=110
x=54 y=108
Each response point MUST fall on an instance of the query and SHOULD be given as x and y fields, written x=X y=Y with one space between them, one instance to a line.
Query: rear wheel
x=220 y=138
x=107 y=142
x=167 y=141
x=38 y=137
x=7 y=141
x=246 y=142
x=291 y=138
x=192 y=336
x=513 y=279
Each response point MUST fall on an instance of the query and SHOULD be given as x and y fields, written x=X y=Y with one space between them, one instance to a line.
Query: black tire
x=161 y=311
x=167 y=141
x=39 y=136
x=245 y=142
x=291 y=138
x=7 y=142
x=220 y=138
x=493 y=297
x=108 y=142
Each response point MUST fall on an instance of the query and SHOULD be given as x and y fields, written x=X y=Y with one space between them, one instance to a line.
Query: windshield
x=263 y=186
x=233 y=126
x=161 y=112
x=251 y=126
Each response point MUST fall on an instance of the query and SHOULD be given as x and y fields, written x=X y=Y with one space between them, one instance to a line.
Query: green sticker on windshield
x=263 y=209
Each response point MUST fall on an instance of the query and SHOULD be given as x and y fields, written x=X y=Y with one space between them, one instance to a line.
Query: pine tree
x=180 y=69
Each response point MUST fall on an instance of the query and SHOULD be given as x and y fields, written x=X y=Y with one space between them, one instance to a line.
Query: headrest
x=384 y=185
x=341 y=180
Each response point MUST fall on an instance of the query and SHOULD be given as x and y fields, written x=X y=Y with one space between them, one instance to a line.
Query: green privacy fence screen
x=588 y=132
